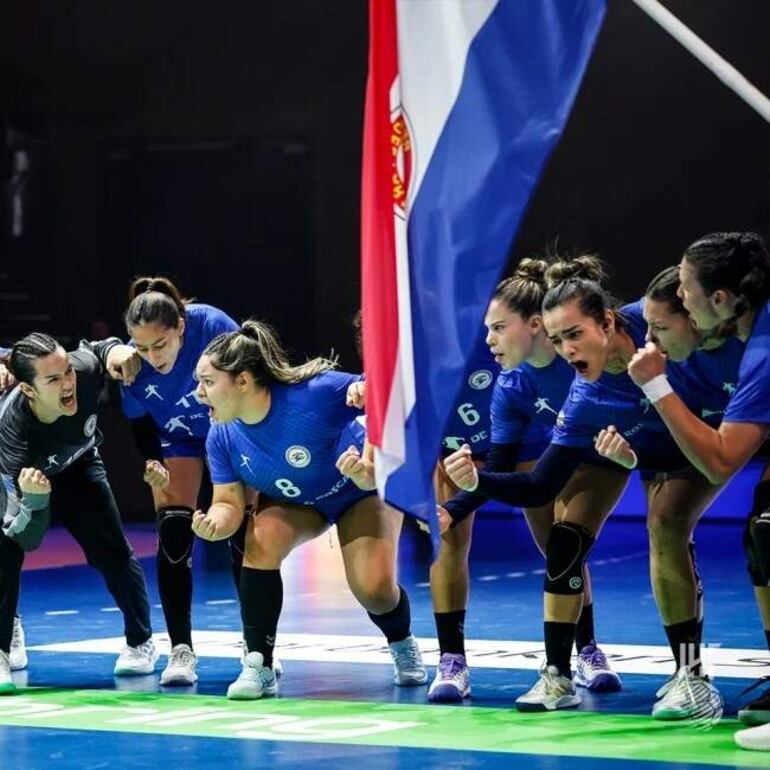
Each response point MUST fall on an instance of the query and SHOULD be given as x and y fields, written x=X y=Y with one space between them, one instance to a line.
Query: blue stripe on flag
x=522 y=73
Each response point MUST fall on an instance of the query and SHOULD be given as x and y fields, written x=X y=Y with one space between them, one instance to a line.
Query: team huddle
x=569 y=393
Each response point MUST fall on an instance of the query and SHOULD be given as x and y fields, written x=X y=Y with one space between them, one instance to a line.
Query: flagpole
x=707 y=56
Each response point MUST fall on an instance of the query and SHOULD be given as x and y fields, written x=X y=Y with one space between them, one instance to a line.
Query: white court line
x=482 y=653
x=62 y=612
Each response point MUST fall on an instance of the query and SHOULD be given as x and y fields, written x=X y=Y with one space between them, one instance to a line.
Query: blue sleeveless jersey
x=291 y=454
x=182 y=420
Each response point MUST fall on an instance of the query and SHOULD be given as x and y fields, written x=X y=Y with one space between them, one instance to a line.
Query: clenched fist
x=156 y=474
x=34 y=482
x=646 y=364
x=611 y=443
x=462 y=470
x=357 y=468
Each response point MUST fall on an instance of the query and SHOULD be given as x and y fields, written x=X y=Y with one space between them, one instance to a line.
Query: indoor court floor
x=337 y=703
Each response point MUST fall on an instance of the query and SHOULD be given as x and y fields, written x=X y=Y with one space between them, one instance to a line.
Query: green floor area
x=616 y=736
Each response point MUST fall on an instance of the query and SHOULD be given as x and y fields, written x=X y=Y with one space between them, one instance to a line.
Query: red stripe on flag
x=378 y=249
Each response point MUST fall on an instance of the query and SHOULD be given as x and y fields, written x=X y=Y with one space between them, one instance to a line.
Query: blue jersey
x=613 y=399
x=526 y=402
x=170 y=399
x=469 y=419
x=751 y=400
x=291 y=454
x=706 y=380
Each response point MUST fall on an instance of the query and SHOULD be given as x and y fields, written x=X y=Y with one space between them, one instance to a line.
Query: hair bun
x=586 y=266
x=531 y=269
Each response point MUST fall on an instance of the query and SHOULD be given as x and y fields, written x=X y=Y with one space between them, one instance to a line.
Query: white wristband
x=657 y=388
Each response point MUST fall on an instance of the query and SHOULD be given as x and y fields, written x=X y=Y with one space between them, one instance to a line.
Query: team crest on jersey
x=90 y=426
x=481 y=379
x=560 y=420
x=298 y=456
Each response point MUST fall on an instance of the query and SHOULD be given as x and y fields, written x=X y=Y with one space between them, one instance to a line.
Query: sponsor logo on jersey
x=184 y=402
x=152 y=390
x=246 y=462
x=90 y=426
x=481 y=379
x=298 y=456
x=542 y=405
x=728 y=387
x=560 y=420
x=176 y=423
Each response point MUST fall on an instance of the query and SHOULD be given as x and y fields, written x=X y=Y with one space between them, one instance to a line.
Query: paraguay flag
x=464 y=102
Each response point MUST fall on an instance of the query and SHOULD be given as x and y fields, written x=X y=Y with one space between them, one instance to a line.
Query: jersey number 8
x=288 y=489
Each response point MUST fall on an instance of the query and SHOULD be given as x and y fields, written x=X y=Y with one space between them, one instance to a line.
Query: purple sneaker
x=594 y=673
x=452 y=682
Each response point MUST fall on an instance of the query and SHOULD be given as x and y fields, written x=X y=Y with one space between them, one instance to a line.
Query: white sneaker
x=755 y=738
x=135 y=661
x=593 y=671
x=452 y=682
x=255 y=680
x=7 y=687
x=408 y=668
x=18 y=655
x=181 y=669
x=687 y=696
x=552 y=691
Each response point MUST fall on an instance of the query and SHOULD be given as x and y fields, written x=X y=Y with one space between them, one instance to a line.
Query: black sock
x=261 y=593
x=395 y=624
x=175 y=587
x=684 y=641
x=237 y=544
x=584 y=630
x=450 y=627
x=559 y=638
x=767 y=636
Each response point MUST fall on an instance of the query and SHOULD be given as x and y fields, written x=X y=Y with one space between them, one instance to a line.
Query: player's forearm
x=700 y=443
x=228 y=518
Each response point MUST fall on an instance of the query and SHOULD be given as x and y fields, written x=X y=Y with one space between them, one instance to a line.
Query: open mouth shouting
x=69 y=402
x=581 y=366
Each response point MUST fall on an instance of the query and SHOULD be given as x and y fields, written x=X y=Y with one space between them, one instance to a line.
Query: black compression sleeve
x=501 y=458
x=145 y=434
x=538 y=487
x=101 y=348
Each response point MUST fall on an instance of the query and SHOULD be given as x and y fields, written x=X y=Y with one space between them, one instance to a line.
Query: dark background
x=220 y=144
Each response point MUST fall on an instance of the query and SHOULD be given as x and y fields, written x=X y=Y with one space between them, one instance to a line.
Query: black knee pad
x=565 y=553
x=756 y=536
x=175 y=535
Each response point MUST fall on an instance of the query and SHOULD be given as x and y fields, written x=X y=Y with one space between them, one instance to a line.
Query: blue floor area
x=506 y=603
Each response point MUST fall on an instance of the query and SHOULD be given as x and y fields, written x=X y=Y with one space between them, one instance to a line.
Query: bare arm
x=225 y=514
x=716 y=453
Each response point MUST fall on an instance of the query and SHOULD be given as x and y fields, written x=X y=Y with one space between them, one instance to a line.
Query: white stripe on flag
x=433 y=43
